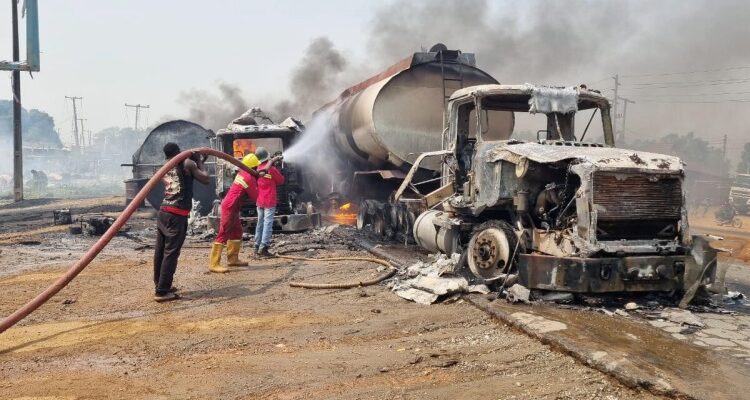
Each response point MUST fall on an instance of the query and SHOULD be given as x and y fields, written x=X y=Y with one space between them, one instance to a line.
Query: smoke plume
x=211 y=110
x=315 y=79
x=555 y=43
x=581 y=41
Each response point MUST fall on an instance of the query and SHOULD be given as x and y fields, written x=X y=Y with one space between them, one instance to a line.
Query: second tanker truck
x=519 y=179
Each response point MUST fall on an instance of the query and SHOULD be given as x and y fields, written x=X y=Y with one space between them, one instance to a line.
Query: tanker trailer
x=150 y=157
x=552 y=211
x=380 y=125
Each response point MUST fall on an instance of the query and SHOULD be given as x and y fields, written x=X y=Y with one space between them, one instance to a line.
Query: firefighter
x=268 y=178
x=230 y=227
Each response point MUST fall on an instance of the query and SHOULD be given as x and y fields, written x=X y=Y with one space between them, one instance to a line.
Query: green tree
x=37 y=126
x=694 y=151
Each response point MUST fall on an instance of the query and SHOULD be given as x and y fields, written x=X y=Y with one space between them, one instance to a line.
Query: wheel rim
x=489 y=253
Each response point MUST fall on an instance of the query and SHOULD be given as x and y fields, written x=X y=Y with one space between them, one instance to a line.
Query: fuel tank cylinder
x=385 y=121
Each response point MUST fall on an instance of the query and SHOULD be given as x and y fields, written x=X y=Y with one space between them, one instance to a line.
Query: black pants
x=171 y=232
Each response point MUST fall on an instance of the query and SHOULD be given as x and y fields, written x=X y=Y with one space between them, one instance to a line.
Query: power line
x=695 y=101
x=690 y=94
x=137 y=111
x=651 y=85
x=686 y=72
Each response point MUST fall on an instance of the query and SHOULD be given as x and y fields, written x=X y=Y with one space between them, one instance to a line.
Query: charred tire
x=362 y=215
x=491 y=250
x=379 y=223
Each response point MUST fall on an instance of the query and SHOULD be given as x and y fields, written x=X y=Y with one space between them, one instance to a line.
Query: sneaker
x=263 y=252
x=162 y=297
x=172 y=290
x=257 y=251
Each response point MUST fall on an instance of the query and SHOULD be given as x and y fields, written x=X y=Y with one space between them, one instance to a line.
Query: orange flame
x=243 y=147
x=345 y=214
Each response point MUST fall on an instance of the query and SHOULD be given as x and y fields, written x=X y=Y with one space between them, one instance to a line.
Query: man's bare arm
x=197 y=171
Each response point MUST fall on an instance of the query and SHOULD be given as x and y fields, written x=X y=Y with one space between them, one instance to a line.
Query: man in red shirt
x=266 y=202
x=230 y=227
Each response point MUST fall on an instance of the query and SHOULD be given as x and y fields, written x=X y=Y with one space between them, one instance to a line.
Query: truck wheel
x=362 y=217
x=490 y=251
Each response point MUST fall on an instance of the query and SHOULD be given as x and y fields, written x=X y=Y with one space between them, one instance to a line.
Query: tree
x=38 y=127
x=118 y=141
x=697 y=153
x=744 y=165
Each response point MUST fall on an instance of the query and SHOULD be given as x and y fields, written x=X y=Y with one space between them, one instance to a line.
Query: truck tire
x=491 y=250
x=362 y=215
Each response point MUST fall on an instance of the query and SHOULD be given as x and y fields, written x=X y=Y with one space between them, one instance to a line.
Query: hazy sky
x=150 y=52
x=113 y=52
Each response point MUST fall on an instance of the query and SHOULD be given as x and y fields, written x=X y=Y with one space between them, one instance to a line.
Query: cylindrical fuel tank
x=433 y=237
x=387 y=120
x=150 y=157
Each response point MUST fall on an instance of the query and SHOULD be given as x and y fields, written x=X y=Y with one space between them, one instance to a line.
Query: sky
x=148 y=52
x=686 y=63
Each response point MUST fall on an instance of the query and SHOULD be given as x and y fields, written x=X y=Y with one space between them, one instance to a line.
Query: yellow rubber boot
x=233 y=254
x=215 y=259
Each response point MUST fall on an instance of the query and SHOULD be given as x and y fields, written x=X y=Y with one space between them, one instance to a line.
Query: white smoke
x=313 y=151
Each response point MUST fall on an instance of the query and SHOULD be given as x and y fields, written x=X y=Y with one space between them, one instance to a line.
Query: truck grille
x=637 y=206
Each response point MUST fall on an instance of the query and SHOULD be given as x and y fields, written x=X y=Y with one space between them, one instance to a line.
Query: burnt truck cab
x=550 y=210
x=294 y=212
x=739 y=193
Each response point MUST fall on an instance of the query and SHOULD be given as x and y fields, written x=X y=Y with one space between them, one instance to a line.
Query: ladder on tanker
x=448 y=74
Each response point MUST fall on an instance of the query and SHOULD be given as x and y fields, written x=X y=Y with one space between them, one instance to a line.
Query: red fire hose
x=74 y=270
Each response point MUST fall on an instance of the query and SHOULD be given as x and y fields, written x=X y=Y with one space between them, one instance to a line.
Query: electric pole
x=614 y=104
x=17 y=138
x=624 y=116
x=83 y=133
x=724 y=147
x=75 y=120
x=137 y=111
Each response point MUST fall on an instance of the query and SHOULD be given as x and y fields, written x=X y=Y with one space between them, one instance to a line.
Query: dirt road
x=247 y=335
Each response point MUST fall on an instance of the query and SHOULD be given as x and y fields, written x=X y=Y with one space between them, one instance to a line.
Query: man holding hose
x=172 y=218
x=230 y=227
x=268 y=178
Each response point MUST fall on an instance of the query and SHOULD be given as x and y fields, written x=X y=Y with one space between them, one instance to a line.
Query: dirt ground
x=247 y=334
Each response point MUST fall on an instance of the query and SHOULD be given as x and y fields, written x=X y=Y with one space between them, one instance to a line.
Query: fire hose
x=79 y=266
x=346 y=285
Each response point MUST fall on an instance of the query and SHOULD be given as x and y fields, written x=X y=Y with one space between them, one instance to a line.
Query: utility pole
x=724 y=147
x=17 y=138
x=614 y=104
x=83 y=133
x=137 y=111
x=624 y=116
x=75 y=120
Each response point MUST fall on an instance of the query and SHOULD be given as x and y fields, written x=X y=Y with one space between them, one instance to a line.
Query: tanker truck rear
x=439 y=152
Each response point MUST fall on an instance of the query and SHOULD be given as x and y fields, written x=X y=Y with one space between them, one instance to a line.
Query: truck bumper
x=602 y=275
x=281 y=223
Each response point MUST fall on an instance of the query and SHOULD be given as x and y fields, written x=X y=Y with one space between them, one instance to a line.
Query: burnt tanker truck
x=437 y=151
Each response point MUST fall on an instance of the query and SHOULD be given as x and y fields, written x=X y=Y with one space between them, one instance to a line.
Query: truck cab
x=243 y=136
x=524 y=196
x=739 y=193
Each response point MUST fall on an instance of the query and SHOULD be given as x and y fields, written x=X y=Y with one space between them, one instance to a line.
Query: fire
x=243 y=147
x=344 y=214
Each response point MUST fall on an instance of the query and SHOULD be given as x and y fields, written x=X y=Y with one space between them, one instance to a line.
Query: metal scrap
x=427 y=283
